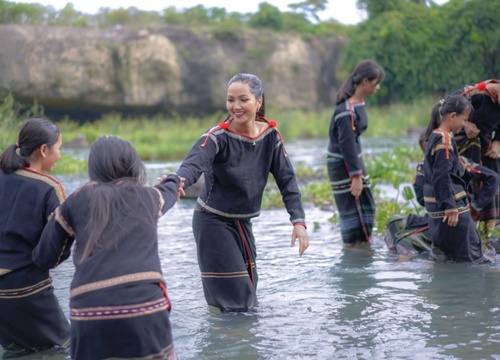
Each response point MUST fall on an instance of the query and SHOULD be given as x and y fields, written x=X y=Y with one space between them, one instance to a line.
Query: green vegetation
x=12 y=115
x=424 y=49
x=160 y=138
x=386 y=168
x=427 y=48
x=198 y=17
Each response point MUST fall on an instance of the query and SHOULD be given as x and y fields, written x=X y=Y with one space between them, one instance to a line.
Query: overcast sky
x=343 y=11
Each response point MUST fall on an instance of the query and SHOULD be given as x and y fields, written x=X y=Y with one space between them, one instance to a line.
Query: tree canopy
x=423 y=47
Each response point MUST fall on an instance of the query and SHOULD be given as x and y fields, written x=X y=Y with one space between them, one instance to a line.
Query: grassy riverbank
x=169 y=139
x=165 y=139
x=160 y=138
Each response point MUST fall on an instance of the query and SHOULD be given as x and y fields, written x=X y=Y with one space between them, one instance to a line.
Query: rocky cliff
x=85 y=72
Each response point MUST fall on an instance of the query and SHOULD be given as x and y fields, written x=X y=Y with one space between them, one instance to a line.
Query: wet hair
x=112 y=158
x=256 y=88
x=452 y=104
x=33 y=133
x=117 y=173
x=365 y=69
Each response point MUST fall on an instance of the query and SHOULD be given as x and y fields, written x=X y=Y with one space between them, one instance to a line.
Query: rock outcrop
x=85 y=72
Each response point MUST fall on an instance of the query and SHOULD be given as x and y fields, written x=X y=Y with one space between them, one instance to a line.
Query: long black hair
x=33 y=133
x=113 y=165
x=451 y=104
x=365 y=69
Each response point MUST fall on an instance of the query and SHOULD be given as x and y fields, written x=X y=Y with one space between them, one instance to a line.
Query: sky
x=343 y=11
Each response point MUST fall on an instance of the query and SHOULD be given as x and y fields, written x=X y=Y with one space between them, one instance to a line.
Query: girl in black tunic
x=118 y=299
x=409 y=234
x=237 y=157
x=31 y=318
x=479 y=141
x=452 y=229
x=348 y=177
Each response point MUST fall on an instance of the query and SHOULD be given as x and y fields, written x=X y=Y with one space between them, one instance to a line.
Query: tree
x=268 y=16
x=310 y=7
x=377 y=7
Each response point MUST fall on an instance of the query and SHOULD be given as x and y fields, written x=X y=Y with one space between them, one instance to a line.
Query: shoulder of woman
x=51 y=181
x=493 y=88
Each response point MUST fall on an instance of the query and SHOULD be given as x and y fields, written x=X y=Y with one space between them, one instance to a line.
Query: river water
x=331 y=303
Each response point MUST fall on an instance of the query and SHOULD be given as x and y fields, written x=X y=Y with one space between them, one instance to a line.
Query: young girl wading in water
x=348 y=178
x=451 y=226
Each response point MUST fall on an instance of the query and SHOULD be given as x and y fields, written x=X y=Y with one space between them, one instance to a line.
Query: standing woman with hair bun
x=237 y=157
x=348 y=178
x=31 y=318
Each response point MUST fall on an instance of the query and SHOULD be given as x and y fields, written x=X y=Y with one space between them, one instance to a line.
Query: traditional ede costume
x=409 y=234
x=236 y=169
x=30 y=315
x=445 y=194
x=119 y=307
x=487 y=119
x=344 y=162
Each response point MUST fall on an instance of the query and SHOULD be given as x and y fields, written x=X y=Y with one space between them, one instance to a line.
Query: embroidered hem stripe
x=162 y=202
x=46 y=179
x=224 y=275
x=119 y=312
x=103 y=284
x=222 y=213
x=62 y=221
x=441 y=214
x=457 y=196
x=26 y=291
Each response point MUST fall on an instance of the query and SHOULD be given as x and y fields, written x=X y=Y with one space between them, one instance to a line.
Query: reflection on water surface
x=363 y=303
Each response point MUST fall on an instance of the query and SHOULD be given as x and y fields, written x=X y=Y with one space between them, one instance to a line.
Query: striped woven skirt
x=129 y=321
x=30 y=315
x=459 y=243
x=356 y=215
x=226 y=257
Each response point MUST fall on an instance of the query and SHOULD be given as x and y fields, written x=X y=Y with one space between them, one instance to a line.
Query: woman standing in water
x=31 y=318
x=237 y=157
x=451 y=226
x=348 y=178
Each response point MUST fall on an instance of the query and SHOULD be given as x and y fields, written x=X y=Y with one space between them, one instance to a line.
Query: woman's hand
x=471 y=130
x=492 y=151
x=356 y=186
x=180 y=191
x=299 y=232
x=452 y=219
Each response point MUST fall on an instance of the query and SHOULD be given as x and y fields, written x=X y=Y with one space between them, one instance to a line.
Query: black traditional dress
x=119 y=307
x=344 y=162
x=30 y=315
x=445 y=194
x=487 y=119
x=409 y=234
x=236 y=169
